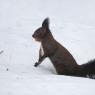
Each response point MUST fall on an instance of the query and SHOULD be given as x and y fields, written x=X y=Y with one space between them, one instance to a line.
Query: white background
x=72 y=23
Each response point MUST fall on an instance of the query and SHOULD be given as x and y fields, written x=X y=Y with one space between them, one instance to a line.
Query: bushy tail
x=88 y=69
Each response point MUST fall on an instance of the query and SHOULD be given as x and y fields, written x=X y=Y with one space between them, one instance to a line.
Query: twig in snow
x=1 y=52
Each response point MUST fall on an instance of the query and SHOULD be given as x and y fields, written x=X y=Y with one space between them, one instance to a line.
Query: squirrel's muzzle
x=33 y=36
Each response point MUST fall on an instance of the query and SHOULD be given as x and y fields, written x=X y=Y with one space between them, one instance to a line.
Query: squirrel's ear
x=45 y=23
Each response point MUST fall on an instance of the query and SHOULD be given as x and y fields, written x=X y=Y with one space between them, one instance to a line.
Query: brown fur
x=61 y=58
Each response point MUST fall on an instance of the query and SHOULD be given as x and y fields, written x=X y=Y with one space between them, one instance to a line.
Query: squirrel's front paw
x=36 y=64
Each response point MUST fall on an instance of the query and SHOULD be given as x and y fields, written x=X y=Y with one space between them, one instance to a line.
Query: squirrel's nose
x=33 y=35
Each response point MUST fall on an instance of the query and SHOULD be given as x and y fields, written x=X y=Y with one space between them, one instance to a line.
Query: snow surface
x=72 y=23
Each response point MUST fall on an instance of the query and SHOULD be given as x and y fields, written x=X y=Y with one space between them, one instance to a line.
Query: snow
x=72 y=23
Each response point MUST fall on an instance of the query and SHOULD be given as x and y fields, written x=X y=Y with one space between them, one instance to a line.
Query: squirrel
x=62 y=60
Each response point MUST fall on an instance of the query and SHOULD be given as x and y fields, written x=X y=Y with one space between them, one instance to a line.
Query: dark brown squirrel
x=61 y=58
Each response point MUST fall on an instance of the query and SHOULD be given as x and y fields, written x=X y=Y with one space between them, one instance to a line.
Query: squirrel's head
x=41 y=32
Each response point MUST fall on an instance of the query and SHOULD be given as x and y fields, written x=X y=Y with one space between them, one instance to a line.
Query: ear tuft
x=45 y=23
